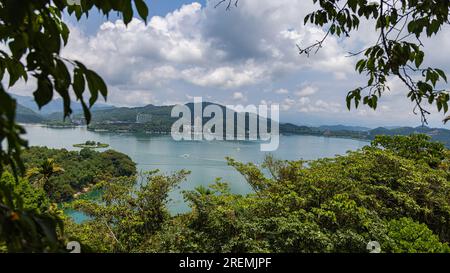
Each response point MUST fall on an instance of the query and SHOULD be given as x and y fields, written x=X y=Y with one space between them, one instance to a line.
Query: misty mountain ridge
x=54 y=106
x=152 y=118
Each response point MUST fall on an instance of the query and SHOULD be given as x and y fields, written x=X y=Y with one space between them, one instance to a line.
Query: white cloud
x=321 y=106
x=239 y=96
x=306 y=91
x=304 y=101
x=223 y=77
x=281 y=91
x=212 y=53
x=206 y=47
x=287 y=104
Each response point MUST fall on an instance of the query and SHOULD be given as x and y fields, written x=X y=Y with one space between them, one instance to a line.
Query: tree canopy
x=380 y=193
x=34 y=34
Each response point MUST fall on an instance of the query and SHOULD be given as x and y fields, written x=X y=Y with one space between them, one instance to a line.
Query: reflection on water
x=205 y=160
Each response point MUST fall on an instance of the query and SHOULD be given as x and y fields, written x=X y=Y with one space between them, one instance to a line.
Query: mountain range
x=157 y=119
x=53 y=106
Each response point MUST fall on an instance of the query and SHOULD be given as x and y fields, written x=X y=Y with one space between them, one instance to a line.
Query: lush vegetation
x=395 y=191
x=386 y=192
x=30 y=223
x=34 y=34
x=62 y=173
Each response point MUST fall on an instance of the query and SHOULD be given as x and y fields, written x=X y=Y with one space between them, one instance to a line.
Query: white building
x=143 y=118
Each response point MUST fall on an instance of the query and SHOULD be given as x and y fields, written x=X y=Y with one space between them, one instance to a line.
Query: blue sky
x=247 y=55
x=156 y=8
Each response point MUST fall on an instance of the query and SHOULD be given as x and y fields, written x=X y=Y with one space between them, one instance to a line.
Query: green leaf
x=78 y=83
x=142 y=9
x=65 y=33
x=127 y=11
x=96 y=85
x=442 y=74
x=86 y=111
x=44 y=92
x=101 y=85
x=419 y=58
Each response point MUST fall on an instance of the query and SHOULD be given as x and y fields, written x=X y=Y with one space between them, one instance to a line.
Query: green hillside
x=159 y=121
x=26 y=115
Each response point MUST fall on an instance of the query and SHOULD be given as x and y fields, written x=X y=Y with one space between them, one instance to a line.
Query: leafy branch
x=398 y=51
x=34 y=34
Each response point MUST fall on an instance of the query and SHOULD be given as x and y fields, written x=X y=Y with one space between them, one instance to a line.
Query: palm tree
x=47 y=169
x=447 y=119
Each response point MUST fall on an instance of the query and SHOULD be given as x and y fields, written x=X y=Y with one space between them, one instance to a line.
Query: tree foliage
x=28 y=221
x=128 y=213
x=416 y=147
x=379 y=193
x=63 y=173
x=398 y=52
x=34 y=34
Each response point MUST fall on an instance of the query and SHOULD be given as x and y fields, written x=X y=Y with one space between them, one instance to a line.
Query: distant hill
x=150 y=118
x=125 y=114
x=125 y=120
x=54 y=106
x=157 y=119
x=344 y=128
x=26 y=115
x=437 y=134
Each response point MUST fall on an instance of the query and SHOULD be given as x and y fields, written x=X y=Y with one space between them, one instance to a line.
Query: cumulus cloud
x=239 y=96
x=287 y=104
x=281 y=91
x=306 y=91
x=206 y=47
x=321 y=106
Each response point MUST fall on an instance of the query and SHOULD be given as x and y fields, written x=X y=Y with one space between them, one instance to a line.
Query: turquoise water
x=205 y=160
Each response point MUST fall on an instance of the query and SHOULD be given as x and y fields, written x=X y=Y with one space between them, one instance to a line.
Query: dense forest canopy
x=34 y=33
x=80 y=169
x=53 y=177
x=386 y=192
x=395 y=191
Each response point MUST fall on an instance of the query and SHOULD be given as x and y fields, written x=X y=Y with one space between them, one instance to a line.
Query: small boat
x=185 y=156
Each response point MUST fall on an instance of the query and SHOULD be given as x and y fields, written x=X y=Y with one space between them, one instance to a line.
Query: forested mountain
x=26 y=115
x=344 y=128
x=125 y=119
x=157 y=119
x=437 y=134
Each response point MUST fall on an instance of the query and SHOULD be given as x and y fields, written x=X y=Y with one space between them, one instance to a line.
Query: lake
x=206 y=160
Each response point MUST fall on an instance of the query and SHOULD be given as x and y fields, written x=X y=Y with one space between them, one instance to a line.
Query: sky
x=246 y=55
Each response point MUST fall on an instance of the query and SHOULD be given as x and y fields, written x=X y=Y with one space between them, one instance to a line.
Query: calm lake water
x=206 y=160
